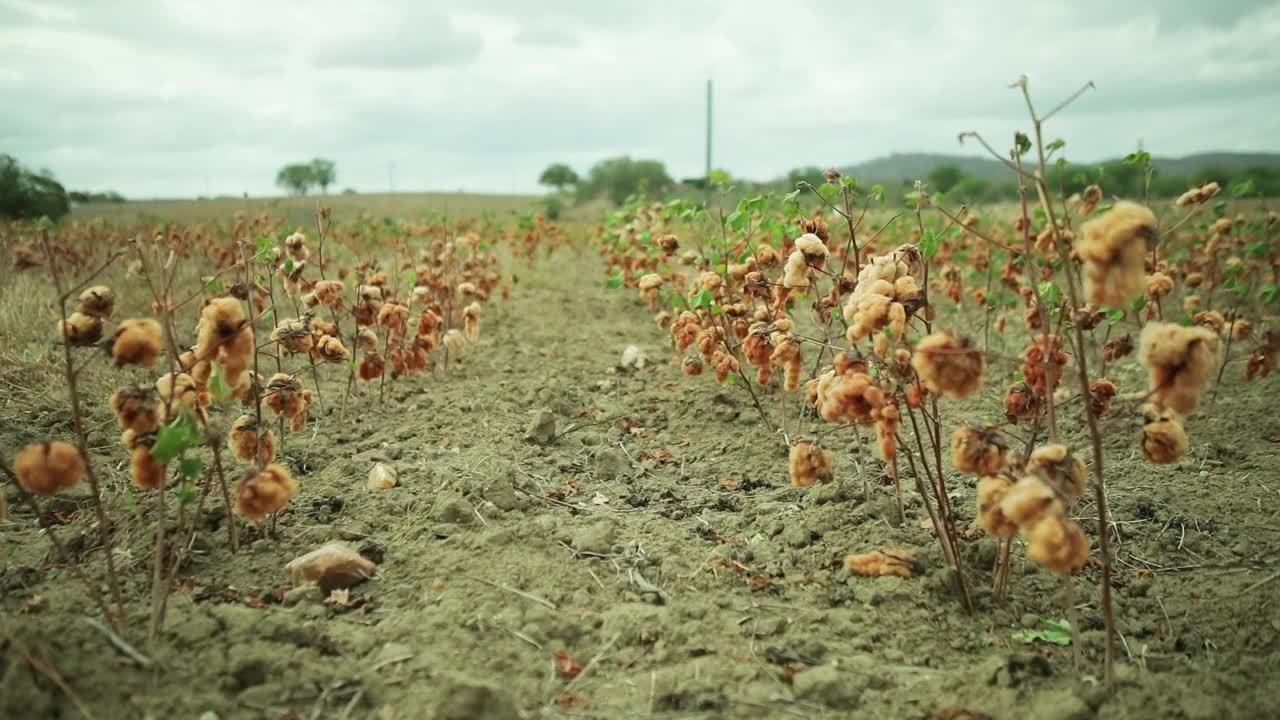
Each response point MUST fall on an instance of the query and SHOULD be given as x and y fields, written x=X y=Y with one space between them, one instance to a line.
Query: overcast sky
x=180 y=98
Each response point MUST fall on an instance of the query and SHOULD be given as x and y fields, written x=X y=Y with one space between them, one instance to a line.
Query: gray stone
x=542 y=428
x=826 y=684
x=451 y=508
x=611 y=464
x=595 y=538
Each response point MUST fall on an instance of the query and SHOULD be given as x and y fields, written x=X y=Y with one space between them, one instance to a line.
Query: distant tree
x=972 y=188
x=325 y=173
x=811 y=174
x=558 y=176
x=944 y=177
x=297 y=178
x=24 y=194
x=619 y=178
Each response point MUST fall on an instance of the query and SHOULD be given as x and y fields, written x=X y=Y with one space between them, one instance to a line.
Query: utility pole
x=706 y=177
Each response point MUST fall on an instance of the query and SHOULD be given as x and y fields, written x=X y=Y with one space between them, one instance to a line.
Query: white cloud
x=171 y=98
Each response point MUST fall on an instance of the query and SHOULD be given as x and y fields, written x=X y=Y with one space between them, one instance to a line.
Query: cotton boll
x=48 y=468
x=809 y=464
x=1113 y=248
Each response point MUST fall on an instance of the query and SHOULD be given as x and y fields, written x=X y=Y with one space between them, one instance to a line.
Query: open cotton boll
x=136 y=342
x=261 y=493
x=948 y=365
x=48 y=468
x=1180 y=361
x=809 y=464
x=1113 y=248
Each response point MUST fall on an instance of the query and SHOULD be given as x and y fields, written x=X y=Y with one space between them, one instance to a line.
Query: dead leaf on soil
x=568 y=667
x=880 y=563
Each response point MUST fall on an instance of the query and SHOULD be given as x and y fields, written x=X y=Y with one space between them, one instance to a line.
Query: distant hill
x=899 y=167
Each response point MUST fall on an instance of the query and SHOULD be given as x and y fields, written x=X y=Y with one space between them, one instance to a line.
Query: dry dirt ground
x=649 y=542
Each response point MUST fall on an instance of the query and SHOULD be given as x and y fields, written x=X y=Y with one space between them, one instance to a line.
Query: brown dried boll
x=471 y=321
x=757 y=349
x=1211 y=319
x=991 y=493
x=137 y=408
x=1029 y=499
x=649 y=285
x=1264 y=357
x=767 y=257
x=1042 y=380
x=1117 y=348
x=669 y=244
x=948 y=365
x=685 y=330
x=1164 y=440
x=1101 y=393
x=1020 y=402
x=662 y=319
x=299 y=420
x=887 y=421
x=284 y=395
x=1159 y=285
x=1113 y=248
x=691 y=366
x=80 y=330
x=296 y=247
x=394 y=317
x=810 y=464
x=331 y=350
x=367 y=340
x=371 y=366
x=48 y=468
x=136 y=342
x=723 y=364
x=323 y=327
x=1179 y=362
x=1058 y=466
x=249 y=444
x=328 y=292
x=1238 y=330
x=1198 y=195
x=1089 y=199
x=1191 y=303
x=180 y=392
x=466 y=290
x=262 y=493
x=1087 y=317
x=1057 y=543
x=295 y=336
x=977 y=452
x=788 y=354
x=220 y=320
x=454 y=340
x=97 y=301
x=146 y=471
x=850 y=396
x=428 y=323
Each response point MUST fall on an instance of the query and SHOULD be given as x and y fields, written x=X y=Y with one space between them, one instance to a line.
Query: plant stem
x=119 y=619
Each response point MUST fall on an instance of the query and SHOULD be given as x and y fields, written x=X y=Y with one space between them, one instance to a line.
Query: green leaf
x=186 y=491
x=731 y=378
x=212 y=284
x=189 y=468
x=679 y=303
x=848 y=182
x=1050 y=293
x=1022 y=143
x=1056 y=145
x=1114 y=315
x=1057 y=632
x=1137 y=304
x=836 y=313
x=614 y=282
x=288 y=266
x=930 y=243
x=175 y=438
x=1270 y=294
x=218 y=387
x=704 y=298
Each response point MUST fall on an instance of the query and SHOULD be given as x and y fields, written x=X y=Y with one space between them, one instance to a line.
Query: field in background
x=302 y=209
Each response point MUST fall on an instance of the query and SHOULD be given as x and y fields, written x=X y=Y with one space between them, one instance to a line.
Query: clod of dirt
x=453 y=509
x=611 y=464
x=382 y=477
x=466 y=700
x=502 y=493
x=827 y=685
x=595 y=538
x=633 y=358
x=542 y=429
x=331 y=566
x=1059 y=705
x=304 y=595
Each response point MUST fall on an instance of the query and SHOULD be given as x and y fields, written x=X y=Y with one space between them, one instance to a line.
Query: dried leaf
x=880 y=563
x=331 y=566
x=568 y=667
